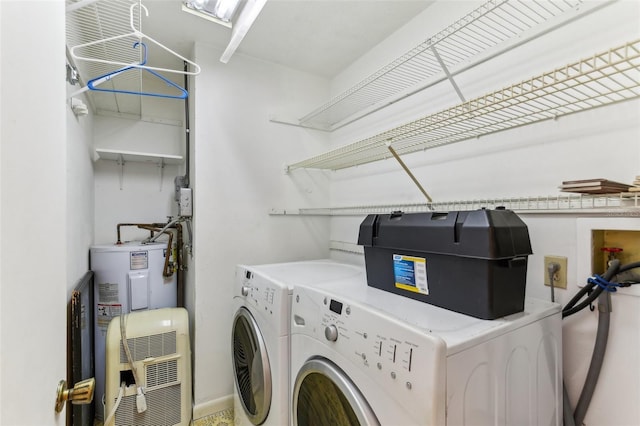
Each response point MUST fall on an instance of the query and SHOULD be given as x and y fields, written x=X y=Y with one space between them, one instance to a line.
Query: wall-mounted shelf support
x=445 y=69
x=121 y=162
x=161 y=167
x=406 y=169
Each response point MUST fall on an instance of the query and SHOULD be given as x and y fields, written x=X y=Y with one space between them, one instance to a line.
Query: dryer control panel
x=403 y=360
x=266 y=298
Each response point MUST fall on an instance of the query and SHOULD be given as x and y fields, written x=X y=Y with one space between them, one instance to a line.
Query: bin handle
x=517 y=262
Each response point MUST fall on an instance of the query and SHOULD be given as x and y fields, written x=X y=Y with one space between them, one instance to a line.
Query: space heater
x=148 y=369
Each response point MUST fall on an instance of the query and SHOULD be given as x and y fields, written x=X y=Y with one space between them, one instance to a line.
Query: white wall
x=34 y=279
x=238 y=159
x=139 y=192
x=146 y=196
x=529 y=161
x=80 y=192
x=1 y=204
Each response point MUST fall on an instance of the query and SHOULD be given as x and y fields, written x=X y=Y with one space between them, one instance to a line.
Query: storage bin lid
x=484 y=234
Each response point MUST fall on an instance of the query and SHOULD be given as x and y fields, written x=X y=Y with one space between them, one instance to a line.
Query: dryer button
x=331 y=333
x=245 y=290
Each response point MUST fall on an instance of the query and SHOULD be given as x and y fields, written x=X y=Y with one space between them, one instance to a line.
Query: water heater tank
x=128 y=278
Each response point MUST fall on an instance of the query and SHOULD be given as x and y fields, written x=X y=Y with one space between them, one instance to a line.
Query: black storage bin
x=472 y=262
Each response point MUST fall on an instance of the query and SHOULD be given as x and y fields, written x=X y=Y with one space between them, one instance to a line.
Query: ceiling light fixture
x=218 y=11
x=223 y=12
x=247 y=17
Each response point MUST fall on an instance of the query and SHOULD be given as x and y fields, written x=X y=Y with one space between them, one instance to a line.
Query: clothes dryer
x=360 y=355
x=260 y=334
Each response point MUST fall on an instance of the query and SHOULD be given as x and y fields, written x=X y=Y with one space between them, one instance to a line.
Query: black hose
x=628 y=266
x=566 y=407
x=571 y=307
x=600 y=344
x=597 y=358
x=588 y=301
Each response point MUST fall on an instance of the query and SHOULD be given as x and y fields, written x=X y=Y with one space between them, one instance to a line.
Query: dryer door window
x=324 y=395
x=251 y=367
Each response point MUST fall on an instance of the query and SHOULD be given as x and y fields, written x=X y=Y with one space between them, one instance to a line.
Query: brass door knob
x=82 y=393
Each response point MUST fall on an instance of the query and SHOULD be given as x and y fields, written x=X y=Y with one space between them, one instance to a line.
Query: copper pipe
x=167 y=272
x=180 y=266
x=134 y=224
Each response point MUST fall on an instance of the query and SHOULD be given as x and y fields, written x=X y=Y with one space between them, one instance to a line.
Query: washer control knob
x=245 y=290
x=331 y=333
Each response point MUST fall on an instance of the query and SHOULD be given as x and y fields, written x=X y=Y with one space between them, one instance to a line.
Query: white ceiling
x=317 y=36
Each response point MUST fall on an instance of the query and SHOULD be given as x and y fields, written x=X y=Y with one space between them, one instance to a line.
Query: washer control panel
x=399 y=357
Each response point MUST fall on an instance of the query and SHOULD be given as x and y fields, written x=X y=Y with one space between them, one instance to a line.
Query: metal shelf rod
x=624 y=204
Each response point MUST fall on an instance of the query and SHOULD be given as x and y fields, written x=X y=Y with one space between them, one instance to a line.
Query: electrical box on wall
x=185 y=207
x=602 y=239
x=179 y=182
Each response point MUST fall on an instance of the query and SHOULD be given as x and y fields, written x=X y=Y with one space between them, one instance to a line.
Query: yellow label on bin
x=410 y=273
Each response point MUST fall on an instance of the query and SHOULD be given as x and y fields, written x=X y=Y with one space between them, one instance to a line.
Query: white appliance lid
x=306 y=272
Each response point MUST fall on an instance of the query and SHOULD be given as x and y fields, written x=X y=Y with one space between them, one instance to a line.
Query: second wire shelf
x=605 y=78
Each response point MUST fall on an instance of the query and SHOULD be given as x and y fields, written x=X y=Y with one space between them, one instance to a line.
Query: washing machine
x=360 y=355
x=260 y=334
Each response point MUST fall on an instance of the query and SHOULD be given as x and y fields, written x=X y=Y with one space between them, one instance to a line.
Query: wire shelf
x=90 y=21
x=489 y=29
x=605 y=78
x=619 y=204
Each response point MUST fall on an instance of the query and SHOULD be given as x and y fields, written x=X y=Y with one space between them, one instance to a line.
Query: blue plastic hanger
x=93 y=83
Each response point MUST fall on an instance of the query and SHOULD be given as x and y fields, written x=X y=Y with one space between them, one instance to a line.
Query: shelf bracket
x=447 y=73
x=406 y=169
x=161 y=167
x=121 y=162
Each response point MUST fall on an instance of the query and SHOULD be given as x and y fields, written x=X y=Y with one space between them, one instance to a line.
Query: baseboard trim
x=210 y=408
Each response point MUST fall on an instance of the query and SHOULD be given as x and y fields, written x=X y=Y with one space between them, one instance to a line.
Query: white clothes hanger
x=134 y=33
